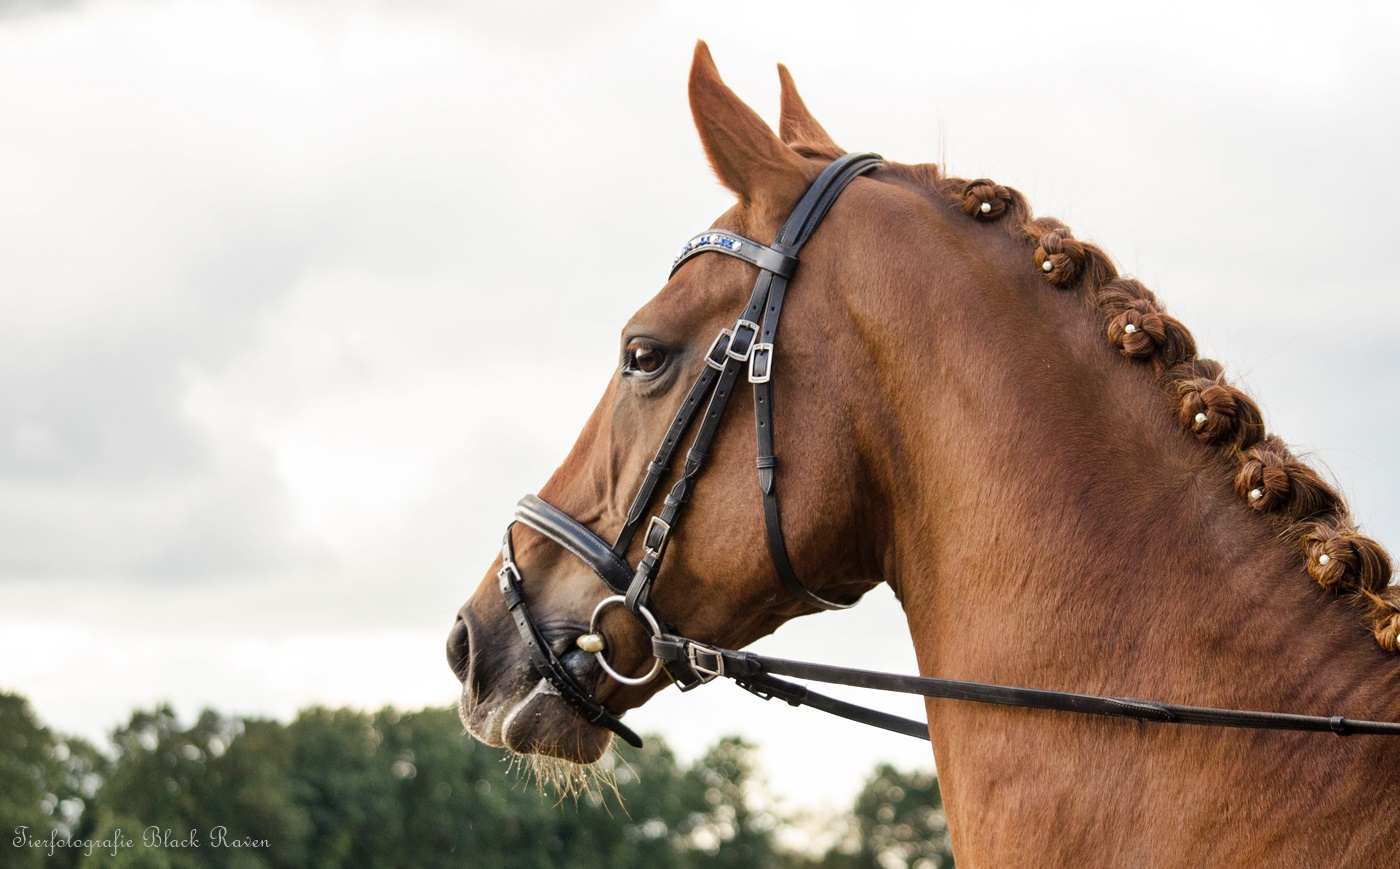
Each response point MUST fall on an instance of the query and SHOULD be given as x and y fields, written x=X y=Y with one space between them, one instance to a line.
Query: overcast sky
x=269 y=273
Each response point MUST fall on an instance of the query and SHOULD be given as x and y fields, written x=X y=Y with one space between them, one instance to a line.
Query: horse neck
x=1050 y=526
x=1056 y=528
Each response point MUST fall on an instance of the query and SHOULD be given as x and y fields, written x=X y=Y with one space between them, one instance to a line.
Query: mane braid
x=1307 y=511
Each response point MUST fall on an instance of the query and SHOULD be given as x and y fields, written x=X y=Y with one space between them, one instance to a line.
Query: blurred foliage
x=47 y=782
x=901 y=822
x=339 y=787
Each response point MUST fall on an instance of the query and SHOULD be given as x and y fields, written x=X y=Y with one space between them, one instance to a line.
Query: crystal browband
x=737 y=246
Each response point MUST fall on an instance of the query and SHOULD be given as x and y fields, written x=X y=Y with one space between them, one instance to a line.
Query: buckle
x=764 y=351
x=714 y=357
x=705 y=673
x=748 y=331
x=655 y=539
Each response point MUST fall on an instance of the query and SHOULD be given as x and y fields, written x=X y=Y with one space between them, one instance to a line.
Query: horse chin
x=540 y=723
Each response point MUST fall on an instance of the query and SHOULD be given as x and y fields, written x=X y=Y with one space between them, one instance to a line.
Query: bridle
x=747 y=348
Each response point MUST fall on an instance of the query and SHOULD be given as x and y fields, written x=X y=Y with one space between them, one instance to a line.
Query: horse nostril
x=457 y=650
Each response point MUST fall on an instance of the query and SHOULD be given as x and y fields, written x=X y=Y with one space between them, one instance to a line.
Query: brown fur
x=1031 y=477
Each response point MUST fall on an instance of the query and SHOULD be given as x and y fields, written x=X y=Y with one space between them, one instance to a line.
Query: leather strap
x=735 y=245
x=767 y=687
x=640 y=592
x=542 y=654
x=533 y=512
x=749 y=343
x=794 y=234
x=745 y=348
x=661 y=463
x=747 y=667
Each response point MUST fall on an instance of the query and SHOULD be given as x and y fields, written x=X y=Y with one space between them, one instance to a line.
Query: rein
x=747 y=347
x=756 y=674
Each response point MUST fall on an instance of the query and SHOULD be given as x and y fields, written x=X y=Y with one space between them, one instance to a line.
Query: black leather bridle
x=747 y=348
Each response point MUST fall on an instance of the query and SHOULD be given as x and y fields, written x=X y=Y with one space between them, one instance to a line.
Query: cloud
x=19 y=9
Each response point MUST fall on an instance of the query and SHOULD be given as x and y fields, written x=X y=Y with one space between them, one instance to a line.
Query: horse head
x=718 y=583
x=972 y=405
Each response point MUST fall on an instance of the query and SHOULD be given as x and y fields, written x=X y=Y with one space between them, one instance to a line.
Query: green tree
x=46 y=782
x=736 y=827
x=340 y=787
x=166 y=791
x=898 y=823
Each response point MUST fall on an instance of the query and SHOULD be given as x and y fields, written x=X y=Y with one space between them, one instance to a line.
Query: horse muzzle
x=508 y=703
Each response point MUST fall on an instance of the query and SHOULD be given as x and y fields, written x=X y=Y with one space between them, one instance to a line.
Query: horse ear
x=796 y=125
x=748 y=158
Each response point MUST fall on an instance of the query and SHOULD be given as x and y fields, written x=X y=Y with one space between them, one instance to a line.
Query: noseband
x=747 y=347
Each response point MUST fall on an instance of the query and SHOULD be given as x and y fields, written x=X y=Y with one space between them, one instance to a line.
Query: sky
x=298 y=298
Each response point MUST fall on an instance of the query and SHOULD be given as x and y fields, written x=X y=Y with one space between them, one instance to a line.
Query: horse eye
x=642 y=357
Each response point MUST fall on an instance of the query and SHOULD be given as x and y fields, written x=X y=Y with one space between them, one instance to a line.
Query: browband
x=746 y=249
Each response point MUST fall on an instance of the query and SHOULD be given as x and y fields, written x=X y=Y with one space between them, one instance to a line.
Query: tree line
x=346 y=788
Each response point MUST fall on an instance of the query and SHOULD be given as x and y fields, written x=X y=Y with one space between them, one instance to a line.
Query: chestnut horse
x=973 y=407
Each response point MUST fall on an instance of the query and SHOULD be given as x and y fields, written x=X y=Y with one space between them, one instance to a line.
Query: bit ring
x=603 y=662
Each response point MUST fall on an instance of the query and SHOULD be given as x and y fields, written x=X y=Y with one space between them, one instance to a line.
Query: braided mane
x=1306 y=510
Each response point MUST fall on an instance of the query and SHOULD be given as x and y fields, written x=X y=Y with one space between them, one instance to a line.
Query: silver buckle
x=765 y=350
x=706 y=674
x=726 y=336
x=739 y=327
x=664 y=528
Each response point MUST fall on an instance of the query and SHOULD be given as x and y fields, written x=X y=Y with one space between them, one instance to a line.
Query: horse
x=973 y=406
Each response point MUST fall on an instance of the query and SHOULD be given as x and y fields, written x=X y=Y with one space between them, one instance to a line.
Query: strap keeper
x=767 y=462
x=1339 y=725
x=777 y=259
x=666 y=648
x=511 y=593
x=694 y=461
x=639 y=592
